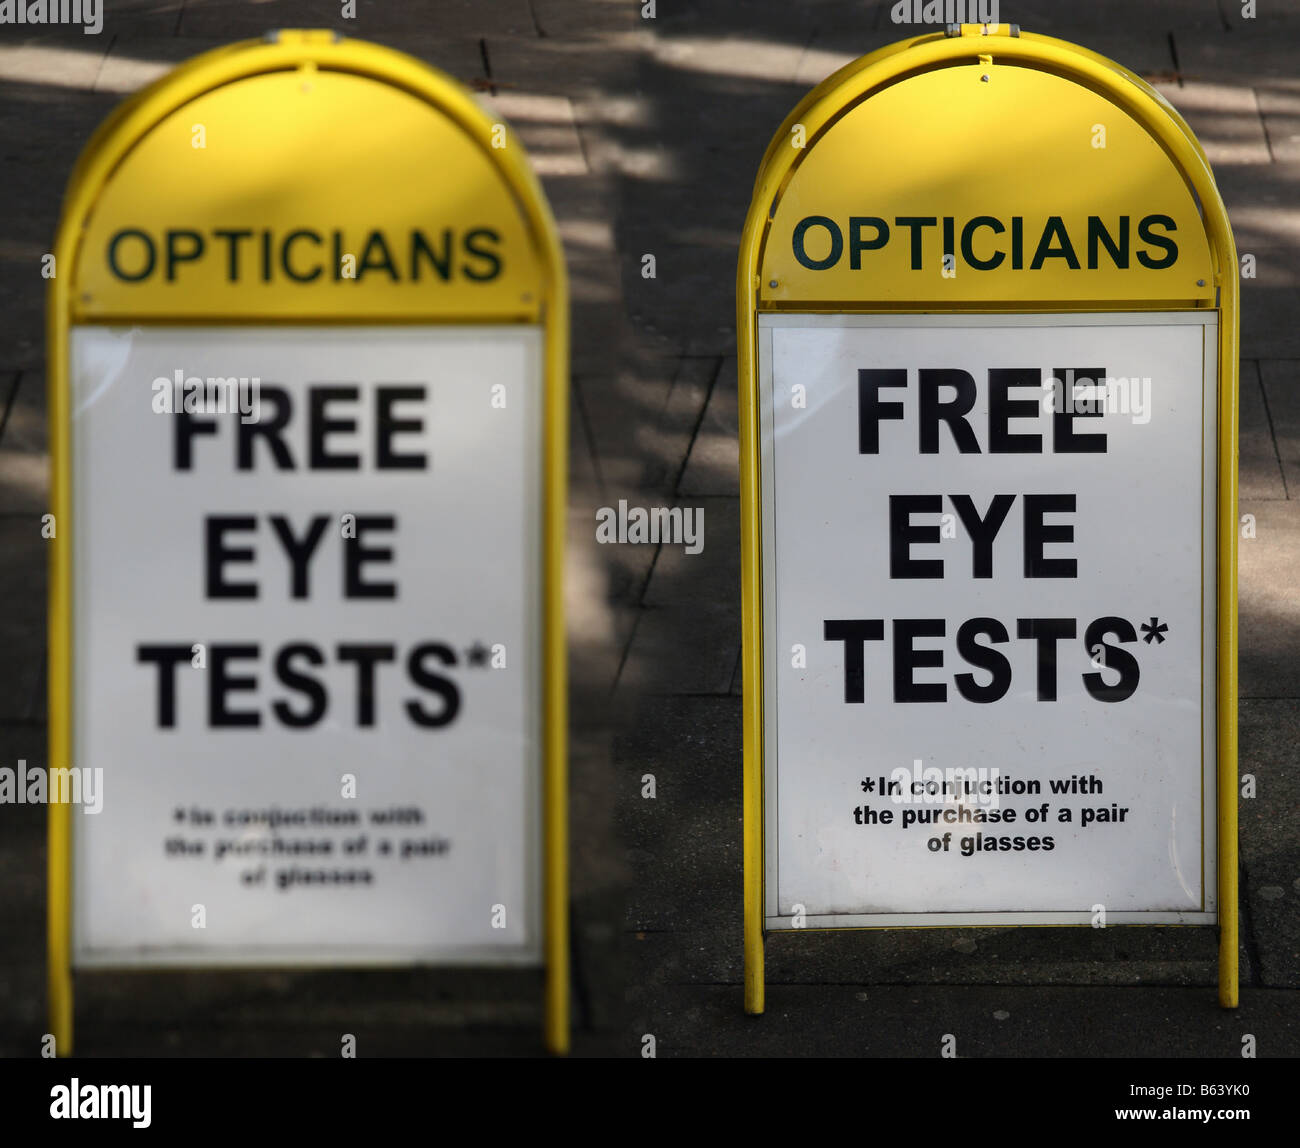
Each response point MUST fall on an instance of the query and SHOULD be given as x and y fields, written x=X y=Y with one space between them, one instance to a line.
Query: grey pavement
x=647 y=135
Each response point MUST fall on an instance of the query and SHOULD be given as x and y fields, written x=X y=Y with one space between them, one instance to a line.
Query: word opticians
x=306 y=255
x=986 y=242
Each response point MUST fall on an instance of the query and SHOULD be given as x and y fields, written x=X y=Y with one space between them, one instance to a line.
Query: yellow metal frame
x=817 y=111
x=120 y=132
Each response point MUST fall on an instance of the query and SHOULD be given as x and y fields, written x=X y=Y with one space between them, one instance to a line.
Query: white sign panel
x=306 y=638
x=989 y=619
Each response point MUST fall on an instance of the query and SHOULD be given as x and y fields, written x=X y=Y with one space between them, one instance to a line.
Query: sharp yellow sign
x=996 y=180
x=309 y=332
x=987 y=332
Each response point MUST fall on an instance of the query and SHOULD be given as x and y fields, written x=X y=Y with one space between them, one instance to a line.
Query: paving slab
x=595 y=624
x=558 y=19
x=712 y=953
x=24 y=458
x=1259 y=467
x=1270 y=857
x=1265 y=215
x=1115 y=16
x=61 y=59
x=1269 y=601
x=714 y=463
x=581 y=65
x=1281 y=385
x=1280 y=107
x=22 y=620
x=1262 y=49
x=643 y=421
x=683 y=845
x=1225 y=117
x=452 y=18
x=22 y=874
x=773 y=21
x=546 y=126
x=142 y=18
x=688 y=632
x=983 y=1022
x=42 y=129
x=1268 y=327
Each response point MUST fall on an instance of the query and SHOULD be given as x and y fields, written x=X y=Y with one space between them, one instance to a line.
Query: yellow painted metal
x=555 y=666
x=58 y=858
x=984 y=30
x=1168 y=164
x=785 y=134
x=304 y=130
x=1226 y=669
x=842 y=76
x=257 y=225
x=751 y=626
x=935 y=155
x=751 y=620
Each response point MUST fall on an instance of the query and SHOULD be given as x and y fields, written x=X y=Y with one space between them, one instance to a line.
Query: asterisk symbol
x=477 y=654
x=1154 y=630
x=868 y=786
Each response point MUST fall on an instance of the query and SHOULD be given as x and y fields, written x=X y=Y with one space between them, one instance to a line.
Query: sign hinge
x=954 y=30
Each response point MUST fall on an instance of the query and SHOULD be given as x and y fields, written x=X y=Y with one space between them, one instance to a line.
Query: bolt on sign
x=308 y=407
x=987 y=328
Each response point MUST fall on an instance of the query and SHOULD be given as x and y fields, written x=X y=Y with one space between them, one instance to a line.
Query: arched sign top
x=830 y=83
x=899 y=183
x=842 y=75
x=180 y=210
